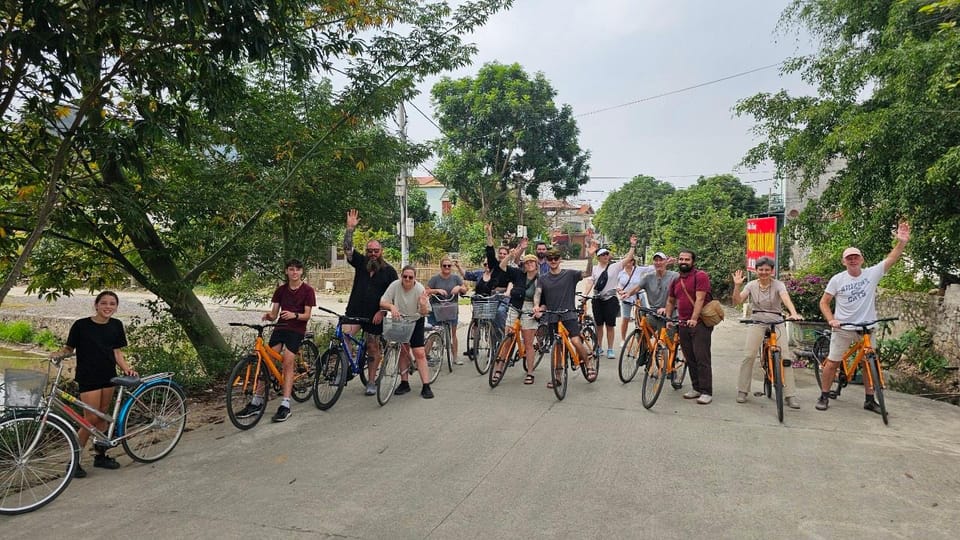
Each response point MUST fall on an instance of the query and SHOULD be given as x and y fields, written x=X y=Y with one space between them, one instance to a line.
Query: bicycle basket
x=485 y=310
x=23 y=387
x=445 y=311
x=398 y=331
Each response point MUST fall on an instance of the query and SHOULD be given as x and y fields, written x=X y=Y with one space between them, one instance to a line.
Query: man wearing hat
x=657 y=285
x=855 y=290
x=606 y=307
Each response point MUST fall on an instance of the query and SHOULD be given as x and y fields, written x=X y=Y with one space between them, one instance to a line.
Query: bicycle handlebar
x=654 y=313
x=345 y=318
x=864 y=325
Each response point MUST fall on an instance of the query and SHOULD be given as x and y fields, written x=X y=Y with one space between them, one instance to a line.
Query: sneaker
x=105 y=462
x=822 y=404
x=282 y=414
x=426 y=392
x=742 y=397
x=793 y=403
x=249 y=410
x=609 y=353
x=871 y=405
x=457 y=361
x=705 y=399
x=79 y=472
x=402 y=388
x=692 y=394
x=371 y=389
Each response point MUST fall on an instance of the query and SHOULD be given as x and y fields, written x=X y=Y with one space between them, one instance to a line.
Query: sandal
x=592 y=370
x=496 y=376
x=529 y=379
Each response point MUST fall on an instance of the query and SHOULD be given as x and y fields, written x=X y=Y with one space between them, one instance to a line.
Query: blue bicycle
x=345 y=357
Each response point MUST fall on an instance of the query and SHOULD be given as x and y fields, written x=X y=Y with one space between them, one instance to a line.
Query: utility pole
x=401 y=190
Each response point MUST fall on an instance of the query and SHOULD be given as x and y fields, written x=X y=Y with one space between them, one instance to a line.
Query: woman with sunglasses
x=406 y=298
x=448 y=285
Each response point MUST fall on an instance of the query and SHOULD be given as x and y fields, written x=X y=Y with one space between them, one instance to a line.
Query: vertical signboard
x=761 y=240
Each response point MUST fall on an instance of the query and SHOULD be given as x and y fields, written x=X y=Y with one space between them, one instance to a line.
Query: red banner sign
x=761 y=240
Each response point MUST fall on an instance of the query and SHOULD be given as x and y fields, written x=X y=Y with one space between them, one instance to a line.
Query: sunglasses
x=552 y=259
x=408 y=277
x=373 y=251
x=446 y=265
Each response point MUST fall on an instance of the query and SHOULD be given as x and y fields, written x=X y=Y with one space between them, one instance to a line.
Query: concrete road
x=516 y=463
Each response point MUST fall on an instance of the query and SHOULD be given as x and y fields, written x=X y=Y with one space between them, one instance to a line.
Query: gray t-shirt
x=447 y=284
x=559 y=291
x=765 y=300
x=658 y=288
x=407 y=302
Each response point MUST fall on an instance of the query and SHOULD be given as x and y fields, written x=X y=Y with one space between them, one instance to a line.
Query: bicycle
x=513 y=349
x=771 y=359
x=396 y=334
x=635 y=351
x=482 y=334
x=438 y=340
x=588 y=329
x=262 y=369
x=345 y=357
x=862 y=353
x=39 y=448
x=563 y=353
x=667 y=362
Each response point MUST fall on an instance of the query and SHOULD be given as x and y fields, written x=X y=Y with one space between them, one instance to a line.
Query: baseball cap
x=851 y=251
x=660 y=254
x=529 y=257
x=603 y=251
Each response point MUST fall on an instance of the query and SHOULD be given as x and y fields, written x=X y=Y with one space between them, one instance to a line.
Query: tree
x=119 y=115
x=886 y=112
x=502 y=132
x=632 y=210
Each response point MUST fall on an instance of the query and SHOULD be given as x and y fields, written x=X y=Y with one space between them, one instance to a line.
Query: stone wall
x=939 y=314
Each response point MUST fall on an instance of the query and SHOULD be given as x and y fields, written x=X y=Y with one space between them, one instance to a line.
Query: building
x=438 y=198
x=794 y=203
x=568 y=222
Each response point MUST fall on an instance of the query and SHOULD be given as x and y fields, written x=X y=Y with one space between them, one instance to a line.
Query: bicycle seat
x=127 y=381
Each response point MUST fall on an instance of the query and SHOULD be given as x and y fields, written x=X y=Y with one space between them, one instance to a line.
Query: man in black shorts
x=372 y=275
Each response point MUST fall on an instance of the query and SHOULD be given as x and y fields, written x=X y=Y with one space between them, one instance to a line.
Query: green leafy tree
x=631 y=209
x=885 y=113
x=502 y=133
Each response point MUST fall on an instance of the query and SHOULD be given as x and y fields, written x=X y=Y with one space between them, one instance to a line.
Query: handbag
x=712 y=312
x=602 y=280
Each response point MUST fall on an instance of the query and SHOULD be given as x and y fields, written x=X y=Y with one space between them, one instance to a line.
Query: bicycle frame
x=858 y=352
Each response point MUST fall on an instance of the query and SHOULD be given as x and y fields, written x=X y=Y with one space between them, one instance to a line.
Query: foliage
x=24 y=332
x=465 y=229
x=885 y=115
x=503 y=133
x=805 y=292
x=901 y=278
x=915 y=347
x=429 y=244
x=632 y=210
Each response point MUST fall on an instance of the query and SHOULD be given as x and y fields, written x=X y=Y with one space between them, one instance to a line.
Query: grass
x=23 y=332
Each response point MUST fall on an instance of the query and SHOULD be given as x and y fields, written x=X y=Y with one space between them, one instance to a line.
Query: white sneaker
x=742 y=397
x=693 y=394
x=704 y=399
x=458 y=362
x=793 y=403
x=610 y=353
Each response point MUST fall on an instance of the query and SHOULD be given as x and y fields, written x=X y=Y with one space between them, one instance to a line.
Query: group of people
x=536 y=285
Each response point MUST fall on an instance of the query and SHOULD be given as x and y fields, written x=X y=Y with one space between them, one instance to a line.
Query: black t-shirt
x=94 y=344
x=365 y=296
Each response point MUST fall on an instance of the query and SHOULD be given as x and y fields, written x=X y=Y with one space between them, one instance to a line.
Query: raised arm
x=353 y=218
x=903 y=236
x=739 y=296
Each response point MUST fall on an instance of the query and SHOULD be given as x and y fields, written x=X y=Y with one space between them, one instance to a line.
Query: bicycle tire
x=507 y=348
x=589 y=337
x=303 y=371
x=434 y=349
x=329 y=378
x=874 y=367
x=162 y=408
x=28 y=485
x=630 y=354
x=241 y=386
x=821 y=348
x=679 y=369
x=654 y=375
x=389 y=376
x=560 y=365
x=542 y=344
x=484 y=347
x=777 y=366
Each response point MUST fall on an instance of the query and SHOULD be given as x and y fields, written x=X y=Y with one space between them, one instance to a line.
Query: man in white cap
x=855 y=290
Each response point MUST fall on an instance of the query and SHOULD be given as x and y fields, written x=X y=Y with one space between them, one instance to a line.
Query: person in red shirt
x=689 y=293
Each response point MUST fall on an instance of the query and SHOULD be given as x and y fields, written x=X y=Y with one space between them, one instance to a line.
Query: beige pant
x=752 y=348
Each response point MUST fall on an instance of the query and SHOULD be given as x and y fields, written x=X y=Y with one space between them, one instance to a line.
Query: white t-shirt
x=628 y=281
x=613 y=274
x=856 y=297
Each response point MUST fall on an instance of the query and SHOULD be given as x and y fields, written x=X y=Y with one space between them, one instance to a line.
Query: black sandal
x=529 y=379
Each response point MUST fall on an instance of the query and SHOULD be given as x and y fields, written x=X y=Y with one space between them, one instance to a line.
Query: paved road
x=516 y=463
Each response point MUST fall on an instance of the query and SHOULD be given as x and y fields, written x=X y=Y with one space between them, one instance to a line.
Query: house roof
x=565 y=206
x=427 y=182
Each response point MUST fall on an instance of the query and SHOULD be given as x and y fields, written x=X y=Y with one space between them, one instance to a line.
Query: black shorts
x=572 y=326
x=291 y=340
x=417 y=338
x=90 y=386
x=605 y=312
x=370 y=329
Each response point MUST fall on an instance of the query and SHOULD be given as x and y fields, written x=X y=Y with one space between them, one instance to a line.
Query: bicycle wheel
x=589 y=337
x=874 y=369
x=777 y=366
x=329 y=378
x=389 y=376
x=560 y=363
x=159 y=414
x=679 y=369
x=542 y=344
x=630 y=354
x=654 y=375
x=472 y=336
x=304 y=370
x=241 y=386
x=436 y=354
x=29 y=482
x=821 y=347
x=507 y=349
x=365 y=360
x=483 y=347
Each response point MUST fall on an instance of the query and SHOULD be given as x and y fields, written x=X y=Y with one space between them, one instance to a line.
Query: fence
x=340 y=278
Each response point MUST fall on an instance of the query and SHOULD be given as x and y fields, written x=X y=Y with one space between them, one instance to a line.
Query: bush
x=915 y=347
x=17 y=332
x=805 y=292
x=158 y=344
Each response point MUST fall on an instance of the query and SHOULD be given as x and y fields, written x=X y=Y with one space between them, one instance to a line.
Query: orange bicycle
x=635 y=351
x=773 y=363
x=667 y=362
x=513 y=349
x=563 y=354
x=262 y=369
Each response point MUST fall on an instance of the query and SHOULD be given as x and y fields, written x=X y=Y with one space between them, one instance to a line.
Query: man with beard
x=372 y=275
x=541 y=250
x=689 y=293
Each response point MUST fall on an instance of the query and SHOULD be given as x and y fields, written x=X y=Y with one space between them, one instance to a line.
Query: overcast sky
x=604 y=53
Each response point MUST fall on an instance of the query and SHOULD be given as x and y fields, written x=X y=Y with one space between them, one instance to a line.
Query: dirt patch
x=204 y=409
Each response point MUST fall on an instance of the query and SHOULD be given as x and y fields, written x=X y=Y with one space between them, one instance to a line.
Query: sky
x=604 y=53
